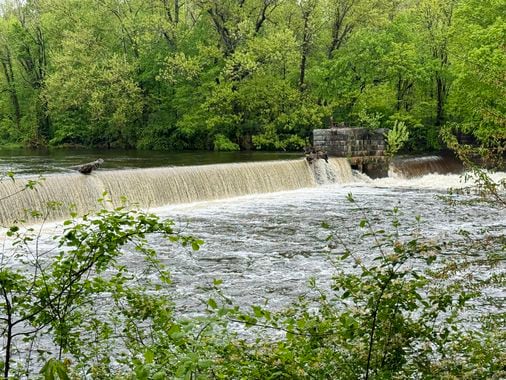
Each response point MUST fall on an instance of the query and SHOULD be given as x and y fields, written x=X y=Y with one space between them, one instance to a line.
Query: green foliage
x=106 y=107
x=474 y=156
x=479 y=91
x=222 y=143
x=422 y=138
x=173 y=75
x=371 y=121
x=54 y=370
x=60 y=298
x=397 y=137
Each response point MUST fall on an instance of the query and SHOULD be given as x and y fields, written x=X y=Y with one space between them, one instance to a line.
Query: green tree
x=436 y=19
x=30 y=46
x=478 y=101
x=92 y=93
x=10 y=79
x=58 y=296
x=189 y=69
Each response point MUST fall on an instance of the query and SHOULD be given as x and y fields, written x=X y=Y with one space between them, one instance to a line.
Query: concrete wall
x=350 y=142
x=364 y=148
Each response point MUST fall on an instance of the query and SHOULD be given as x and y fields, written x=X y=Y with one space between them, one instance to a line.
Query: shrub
x=396 y=137
x=223 y=143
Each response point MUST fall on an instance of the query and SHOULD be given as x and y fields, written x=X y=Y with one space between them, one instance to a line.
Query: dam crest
x=155 y=187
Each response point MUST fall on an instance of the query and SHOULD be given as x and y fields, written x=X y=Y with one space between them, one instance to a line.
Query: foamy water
x=266 y=247
x=431 y=181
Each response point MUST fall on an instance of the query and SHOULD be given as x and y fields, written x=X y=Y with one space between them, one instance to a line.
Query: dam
x=261 y=226
x=155 y=187
x=54 y=194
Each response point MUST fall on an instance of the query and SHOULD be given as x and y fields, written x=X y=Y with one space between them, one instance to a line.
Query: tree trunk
x=9 y=76
x=7 y=334
x=302 y=75
x=33 y=60
x=340 y=29
x=440 y=97
x=306 y=38
x=43 y=120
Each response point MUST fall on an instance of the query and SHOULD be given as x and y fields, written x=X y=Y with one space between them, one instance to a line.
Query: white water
x=430 y=181
x=160 y=186
x=267 y=245
x=175 y=185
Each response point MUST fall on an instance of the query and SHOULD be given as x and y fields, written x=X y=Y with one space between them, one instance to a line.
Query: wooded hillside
x=248 y=74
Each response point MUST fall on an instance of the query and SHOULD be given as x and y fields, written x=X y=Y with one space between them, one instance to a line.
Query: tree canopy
x=248 y=74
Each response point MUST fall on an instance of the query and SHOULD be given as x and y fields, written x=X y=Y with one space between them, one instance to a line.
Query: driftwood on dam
x=89 y=167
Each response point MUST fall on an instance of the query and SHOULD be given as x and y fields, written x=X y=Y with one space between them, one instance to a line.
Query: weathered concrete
x=364 y=148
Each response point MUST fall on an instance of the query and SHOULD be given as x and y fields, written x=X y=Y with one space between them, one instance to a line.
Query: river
x=265 y=245
x=268 y=246
x=29 y=162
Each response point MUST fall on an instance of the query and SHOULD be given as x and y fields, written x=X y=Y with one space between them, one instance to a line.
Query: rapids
x=268 y=246
x=261 y=223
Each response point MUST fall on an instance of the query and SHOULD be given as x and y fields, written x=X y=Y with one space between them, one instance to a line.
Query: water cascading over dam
x=156 y=187
x=418 y=166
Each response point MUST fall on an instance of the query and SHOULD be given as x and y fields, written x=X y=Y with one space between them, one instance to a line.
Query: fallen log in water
x=89 y=167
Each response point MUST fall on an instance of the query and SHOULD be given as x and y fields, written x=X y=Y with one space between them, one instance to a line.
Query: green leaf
x=149 y=356
x=257 y=310
x=212 y=303
x=62 y=371
x=141 y=373
x=174 y=331
x=53 y=370
x=159 y=376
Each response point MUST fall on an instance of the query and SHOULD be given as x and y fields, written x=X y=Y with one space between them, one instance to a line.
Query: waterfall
x=419 y=166
x=336 y=170
x=166 y=185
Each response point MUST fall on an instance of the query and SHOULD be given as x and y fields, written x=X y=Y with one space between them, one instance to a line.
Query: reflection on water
x=26 y=162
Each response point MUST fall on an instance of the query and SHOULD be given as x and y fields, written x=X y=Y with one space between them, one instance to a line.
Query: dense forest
x=248 y=74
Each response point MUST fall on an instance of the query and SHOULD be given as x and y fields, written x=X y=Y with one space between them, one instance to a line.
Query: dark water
x=26 y=162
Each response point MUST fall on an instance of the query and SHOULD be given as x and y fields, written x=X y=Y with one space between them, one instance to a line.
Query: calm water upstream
x=27 y=162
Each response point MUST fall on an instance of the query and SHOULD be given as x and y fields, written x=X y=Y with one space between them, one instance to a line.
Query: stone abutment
x=364 y=148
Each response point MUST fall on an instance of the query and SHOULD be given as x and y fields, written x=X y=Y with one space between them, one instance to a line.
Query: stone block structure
x=364 y=148
x=350 y=142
